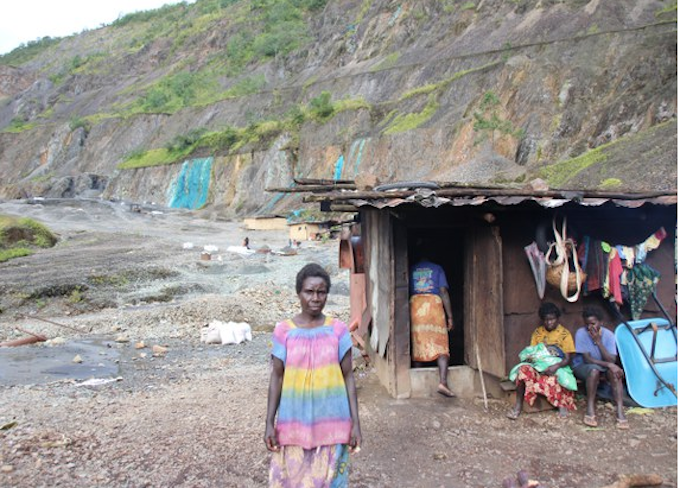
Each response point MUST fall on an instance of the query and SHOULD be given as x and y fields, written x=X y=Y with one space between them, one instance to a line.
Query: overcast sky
x=22 y=21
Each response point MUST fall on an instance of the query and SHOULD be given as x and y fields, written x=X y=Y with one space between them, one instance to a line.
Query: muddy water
x=40 y=364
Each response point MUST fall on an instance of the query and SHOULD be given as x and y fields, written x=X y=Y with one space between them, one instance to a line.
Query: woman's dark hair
x=592 y=312
x=548 y=308
x=311 y=270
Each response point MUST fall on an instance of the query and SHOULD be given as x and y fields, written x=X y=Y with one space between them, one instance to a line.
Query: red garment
x=615 y=271
x=540 y=384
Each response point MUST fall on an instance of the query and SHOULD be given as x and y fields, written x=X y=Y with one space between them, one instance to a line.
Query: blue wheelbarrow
x=648 y=349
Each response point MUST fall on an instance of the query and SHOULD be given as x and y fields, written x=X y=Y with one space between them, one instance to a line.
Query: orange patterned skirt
x=429 y=336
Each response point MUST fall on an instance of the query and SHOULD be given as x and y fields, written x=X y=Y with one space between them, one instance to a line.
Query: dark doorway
x=445 y=246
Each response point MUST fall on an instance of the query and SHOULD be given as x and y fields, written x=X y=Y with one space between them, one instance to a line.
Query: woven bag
x=564 y=270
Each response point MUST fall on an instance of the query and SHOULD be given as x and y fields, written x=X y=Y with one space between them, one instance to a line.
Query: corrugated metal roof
x=435 y=198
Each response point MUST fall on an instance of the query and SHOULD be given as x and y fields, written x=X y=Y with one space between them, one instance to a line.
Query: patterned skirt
x=429 y=336
x=320 y=467
x=540 y=384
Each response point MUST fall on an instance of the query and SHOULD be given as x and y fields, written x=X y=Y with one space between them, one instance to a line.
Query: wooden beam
x=312 y=188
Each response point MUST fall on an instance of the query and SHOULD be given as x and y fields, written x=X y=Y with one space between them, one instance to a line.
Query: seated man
x=595 y=361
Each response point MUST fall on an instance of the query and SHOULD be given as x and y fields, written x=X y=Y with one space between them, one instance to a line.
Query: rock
x=77 y=359
x=6 y=468
x=140 y=345
x=122 y=339
x=159 y=351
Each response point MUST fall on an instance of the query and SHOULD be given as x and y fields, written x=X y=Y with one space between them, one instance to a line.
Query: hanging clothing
x=429 y=335
x=642 y=280
x=594 y=263
x=538 y=267
x=614 y=277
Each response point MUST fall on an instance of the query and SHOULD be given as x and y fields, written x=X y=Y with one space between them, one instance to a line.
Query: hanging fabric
x=538 y=266
x=559 y=272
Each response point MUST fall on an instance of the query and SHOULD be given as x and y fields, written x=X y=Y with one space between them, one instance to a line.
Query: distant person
x=595 y=363
x=246 y=243
x=431 y=317
x=545 y=370
x=312 y=389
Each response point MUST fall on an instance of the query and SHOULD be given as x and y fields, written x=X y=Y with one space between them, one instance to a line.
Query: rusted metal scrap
x=32 y=339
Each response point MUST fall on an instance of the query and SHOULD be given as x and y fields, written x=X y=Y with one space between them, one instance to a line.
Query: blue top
x=427 y=277
x=584 y=343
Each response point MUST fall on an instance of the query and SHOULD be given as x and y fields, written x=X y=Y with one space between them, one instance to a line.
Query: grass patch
x=406 y=122
x=671 y=8
x=20 y=236
x=18 y=125
x=432 y=87
x=560 y=173
x=17 y=252
x=389 y=62
x=610 y=184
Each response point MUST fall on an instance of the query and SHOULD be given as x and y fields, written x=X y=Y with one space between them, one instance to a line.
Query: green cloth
x=539 y=358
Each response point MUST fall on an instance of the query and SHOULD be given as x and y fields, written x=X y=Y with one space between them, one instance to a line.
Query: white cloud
x=22 y=21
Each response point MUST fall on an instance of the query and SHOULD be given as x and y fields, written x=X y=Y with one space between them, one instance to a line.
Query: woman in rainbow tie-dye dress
x=312 y=389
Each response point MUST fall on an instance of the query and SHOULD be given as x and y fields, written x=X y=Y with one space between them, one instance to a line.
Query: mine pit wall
x=236 y=185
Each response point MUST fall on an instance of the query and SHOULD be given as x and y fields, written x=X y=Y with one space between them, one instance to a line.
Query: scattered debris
x=521 y=481
x=205 y=256
x=77 y=359
x=210 y=248
x=159 y=351
x=122 y=339
x=218 y=332
x=99 y=381
x=631 y=480
x=140 y=345
x=188 y=245
x=9 y=425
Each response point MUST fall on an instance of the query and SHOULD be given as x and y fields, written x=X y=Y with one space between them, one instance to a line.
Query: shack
x=479 y=236
x=309 y=230
x=266 y=222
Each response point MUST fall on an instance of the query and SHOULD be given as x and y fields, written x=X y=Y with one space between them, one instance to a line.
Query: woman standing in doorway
x=431 y=317
x=312 y=389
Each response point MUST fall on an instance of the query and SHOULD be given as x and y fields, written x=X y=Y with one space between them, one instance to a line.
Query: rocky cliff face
x=582 y=94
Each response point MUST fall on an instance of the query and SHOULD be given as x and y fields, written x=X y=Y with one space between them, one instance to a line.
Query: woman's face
x=313 y=295
x=593 y=324
x=550 y=321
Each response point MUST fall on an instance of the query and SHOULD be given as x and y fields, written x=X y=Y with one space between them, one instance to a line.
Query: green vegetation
x=405 y=122
x=488 y=122
x=229 y=139
x=611 y=183
x=20 y=236
x=560 y=173
x=18 y=125
x=26 y=52
x=671 y=8
x=389 y=62
x=427 y=89
x=468 y=6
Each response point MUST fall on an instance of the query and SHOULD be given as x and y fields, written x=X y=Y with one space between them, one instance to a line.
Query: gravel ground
x=193 y=415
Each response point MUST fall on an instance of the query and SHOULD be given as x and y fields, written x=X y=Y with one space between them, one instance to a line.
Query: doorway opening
x=444 y=246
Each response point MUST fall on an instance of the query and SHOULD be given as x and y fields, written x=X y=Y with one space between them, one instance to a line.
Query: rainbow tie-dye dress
x=314 y=408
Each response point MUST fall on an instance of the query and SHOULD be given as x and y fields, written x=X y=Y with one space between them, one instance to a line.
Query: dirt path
x=194 y=417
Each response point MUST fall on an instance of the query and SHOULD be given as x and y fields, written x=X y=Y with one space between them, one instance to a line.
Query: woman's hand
x=616 y=371
x=355 y=439
x=551 y=370
x=270 y=439
x=449 y=323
